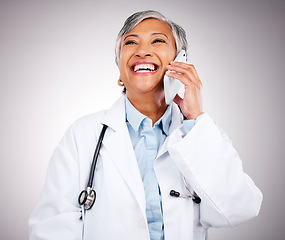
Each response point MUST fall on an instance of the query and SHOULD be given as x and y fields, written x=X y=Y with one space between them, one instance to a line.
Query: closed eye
x=130 y=42
x=158 y=40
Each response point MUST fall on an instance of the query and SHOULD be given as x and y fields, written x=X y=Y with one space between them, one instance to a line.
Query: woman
x=148 y=150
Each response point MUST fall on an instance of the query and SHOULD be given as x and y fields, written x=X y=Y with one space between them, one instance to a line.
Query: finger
x=181 y=64
x=186 y=78
x=187 y=66
x=179 y=76
x=188 y=71
x=181 y=69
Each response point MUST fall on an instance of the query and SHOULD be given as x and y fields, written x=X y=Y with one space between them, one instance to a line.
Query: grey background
x=57 y=64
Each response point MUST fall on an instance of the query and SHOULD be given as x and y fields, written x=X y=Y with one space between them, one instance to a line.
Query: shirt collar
x=135 y=118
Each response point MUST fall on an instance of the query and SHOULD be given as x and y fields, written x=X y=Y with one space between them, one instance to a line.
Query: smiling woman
x=154 y=157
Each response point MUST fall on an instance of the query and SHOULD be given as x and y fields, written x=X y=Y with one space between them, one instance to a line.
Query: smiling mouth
x=144 y=68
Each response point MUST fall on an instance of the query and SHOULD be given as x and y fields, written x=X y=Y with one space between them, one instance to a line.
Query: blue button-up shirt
x=147 y=140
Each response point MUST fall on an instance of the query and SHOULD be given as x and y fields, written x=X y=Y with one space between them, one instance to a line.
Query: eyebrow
x=131 y=35
x=135 y=35
x=160 y=34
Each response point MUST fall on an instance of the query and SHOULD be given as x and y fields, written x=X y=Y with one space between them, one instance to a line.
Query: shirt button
x=142 y=223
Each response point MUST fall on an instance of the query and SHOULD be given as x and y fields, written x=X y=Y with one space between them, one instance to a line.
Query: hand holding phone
x=171 y=85
x=185 y=74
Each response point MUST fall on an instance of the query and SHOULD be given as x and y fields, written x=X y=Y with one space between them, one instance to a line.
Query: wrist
x=193 y=116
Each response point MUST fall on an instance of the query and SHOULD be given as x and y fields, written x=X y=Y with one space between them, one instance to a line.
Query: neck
x=151 y=105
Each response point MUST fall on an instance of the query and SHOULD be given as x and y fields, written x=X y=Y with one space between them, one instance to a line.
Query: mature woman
x=149 y=149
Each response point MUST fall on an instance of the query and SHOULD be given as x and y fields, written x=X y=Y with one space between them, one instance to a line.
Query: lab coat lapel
x=176 y=121
x=119 y=146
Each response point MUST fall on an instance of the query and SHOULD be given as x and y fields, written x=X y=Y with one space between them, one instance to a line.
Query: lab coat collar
x=115 y=116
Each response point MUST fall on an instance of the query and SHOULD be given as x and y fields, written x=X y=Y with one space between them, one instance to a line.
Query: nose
x=143 y=51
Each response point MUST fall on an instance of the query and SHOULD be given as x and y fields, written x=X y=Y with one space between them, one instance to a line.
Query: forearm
x=213 y=168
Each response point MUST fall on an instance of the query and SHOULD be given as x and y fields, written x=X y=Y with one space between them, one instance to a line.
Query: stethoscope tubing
x=95 y=157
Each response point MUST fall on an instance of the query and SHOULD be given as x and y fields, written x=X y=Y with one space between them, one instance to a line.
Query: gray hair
x=132 y=21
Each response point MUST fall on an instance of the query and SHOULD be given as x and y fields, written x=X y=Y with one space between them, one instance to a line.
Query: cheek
x=167 y=58
x=169 y=54
x=123 y=60
x=123 y=69
x=173 y=54
x=173 y=51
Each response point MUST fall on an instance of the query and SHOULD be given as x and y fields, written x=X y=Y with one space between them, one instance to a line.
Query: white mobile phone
x=171 y=85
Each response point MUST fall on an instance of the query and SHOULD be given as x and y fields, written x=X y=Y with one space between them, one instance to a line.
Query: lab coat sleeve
x=57 y=214
x=212 y=167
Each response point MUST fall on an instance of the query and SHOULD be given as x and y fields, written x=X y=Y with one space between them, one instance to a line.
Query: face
x=145 y=53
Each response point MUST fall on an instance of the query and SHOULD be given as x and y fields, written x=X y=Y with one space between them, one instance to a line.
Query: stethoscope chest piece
x=87 y=198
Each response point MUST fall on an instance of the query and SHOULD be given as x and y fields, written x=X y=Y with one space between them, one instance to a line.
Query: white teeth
x=144 y=68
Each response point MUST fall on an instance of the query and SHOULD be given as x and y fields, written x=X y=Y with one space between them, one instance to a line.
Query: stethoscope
x=87 y=197
x=196 y=199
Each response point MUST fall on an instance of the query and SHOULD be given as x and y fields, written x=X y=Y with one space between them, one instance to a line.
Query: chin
x=150 y=90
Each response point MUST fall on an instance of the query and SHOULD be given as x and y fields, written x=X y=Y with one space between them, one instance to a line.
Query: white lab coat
x=204 y=156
